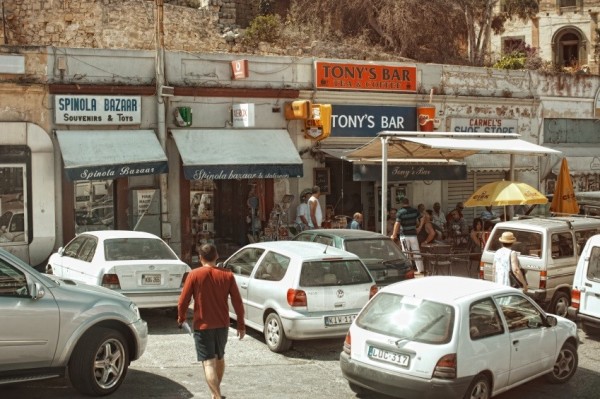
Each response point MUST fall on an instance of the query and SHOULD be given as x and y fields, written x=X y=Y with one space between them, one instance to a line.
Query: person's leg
x=211 y=374
x=414 y=246
x=220 y=369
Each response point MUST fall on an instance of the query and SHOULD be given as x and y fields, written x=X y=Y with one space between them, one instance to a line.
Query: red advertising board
x=369 y=77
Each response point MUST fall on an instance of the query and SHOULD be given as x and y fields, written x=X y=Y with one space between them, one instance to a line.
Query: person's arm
x=238 y=307
x=395 y=230
x=184 y=301
x=516 y=269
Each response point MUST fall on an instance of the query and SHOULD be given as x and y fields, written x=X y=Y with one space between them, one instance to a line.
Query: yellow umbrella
x=503 y=193
x=564 y=201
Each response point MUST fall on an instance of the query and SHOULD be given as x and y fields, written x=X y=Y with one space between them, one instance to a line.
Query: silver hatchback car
x=57 y=326
x=299 y=290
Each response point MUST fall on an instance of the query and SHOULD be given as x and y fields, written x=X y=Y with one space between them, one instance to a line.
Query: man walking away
x=211 y=287
x=406 y=222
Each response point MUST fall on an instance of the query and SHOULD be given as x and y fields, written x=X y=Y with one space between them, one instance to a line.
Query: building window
x=571 y=131
x=569 y=47
x=567 y=3
x=513 y=44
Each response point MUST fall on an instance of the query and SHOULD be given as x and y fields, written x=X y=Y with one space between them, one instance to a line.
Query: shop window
x=13 y=214
x=202 y=215
x=94 y=207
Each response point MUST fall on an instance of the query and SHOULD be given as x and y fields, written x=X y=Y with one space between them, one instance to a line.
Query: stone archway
x=569 y=48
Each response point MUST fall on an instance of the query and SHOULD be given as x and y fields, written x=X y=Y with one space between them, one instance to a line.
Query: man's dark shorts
x=211 y=343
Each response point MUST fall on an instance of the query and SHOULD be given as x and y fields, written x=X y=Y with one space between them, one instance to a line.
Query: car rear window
x=383 y=249
x=529 y=243
x=137 y=248
x=408 y=318
x=331 y=273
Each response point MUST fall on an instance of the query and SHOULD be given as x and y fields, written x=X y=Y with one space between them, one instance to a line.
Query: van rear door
x=590 y=284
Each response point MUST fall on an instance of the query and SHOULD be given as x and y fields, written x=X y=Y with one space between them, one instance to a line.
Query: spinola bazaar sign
x=369 y=77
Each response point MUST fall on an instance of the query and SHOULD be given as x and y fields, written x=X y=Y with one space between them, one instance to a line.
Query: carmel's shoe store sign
x=97 y=110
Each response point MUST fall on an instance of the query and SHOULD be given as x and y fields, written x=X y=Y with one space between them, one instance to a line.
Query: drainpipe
x=160 y=115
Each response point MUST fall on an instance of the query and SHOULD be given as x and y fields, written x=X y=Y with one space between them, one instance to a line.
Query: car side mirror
x=61 y=251
x=35 y=291
x=551 y=320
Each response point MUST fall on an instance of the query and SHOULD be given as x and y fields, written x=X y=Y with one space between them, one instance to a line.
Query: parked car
x=12 y=226
x=384 y=258
x=136 y=264
x=548 y=251
x=53 y=328
x=585 y=295
x=455 y=337
x=299 y=290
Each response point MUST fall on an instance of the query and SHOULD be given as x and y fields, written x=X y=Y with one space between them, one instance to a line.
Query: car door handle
x=245 y=285
x=516 y=341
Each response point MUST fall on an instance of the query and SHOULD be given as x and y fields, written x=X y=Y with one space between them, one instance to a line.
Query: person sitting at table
x=426 y=233
x=489 y=214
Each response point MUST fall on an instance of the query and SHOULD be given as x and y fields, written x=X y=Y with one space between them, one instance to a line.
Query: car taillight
x=409 y=274
x=543 y=279
x=446 y=367
x=111 y=281
x=575 y=298
x=184 y=278
x=373 y=291
x=481 y=273
x=296 y=298
x=347 y=344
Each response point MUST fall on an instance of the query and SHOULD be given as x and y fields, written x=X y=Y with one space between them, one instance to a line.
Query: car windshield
x=383 y=250
x=529 y=243
x=137 y=248
x=330 y=273
x=408 y=318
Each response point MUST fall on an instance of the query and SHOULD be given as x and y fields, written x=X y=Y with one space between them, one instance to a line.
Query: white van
x=549 y=249
x=585 y=295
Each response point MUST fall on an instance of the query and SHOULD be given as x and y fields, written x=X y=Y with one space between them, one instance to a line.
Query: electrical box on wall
x=318 y=125
x=300 y=109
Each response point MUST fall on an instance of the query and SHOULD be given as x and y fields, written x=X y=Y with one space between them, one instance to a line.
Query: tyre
x=590 y=329
x=99 y=362
x=565 y=366
x=480 y=388
x=274 y=334
x=560 y=303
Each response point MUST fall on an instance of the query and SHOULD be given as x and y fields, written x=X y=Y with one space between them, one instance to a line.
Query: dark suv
x=380 y=254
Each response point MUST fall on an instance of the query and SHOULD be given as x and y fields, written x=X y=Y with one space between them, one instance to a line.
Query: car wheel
x=590 y=329
x=480 y=388
x=99 y=362
x=565 y=366
x=560 y=304
x=274 y=334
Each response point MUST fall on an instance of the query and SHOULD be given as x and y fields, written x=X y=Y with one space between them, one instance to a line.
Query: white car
x=139 y=265
x=455 y=337
x=585 y=295
x=299 y=290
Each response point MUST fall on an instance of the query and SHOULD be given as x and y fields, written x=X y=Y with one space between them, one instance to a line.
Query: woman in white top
x=506 y=259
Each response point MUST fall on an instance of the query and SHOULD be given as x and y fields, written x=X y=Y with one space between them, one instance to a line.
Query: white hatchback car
x=455 y=337
x=299 y=290
x=139 y=265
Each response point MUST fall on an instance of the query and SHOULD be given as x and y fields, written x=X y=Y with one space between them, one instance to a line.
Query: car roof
x=346 y=234
x=106 y=234
x=549 y=223
x=303 y=249
x=446 y=289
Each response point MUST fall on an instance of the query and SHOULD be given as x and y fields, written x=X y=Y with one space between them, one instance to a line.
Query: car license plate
x=339 y=320
x=387 y=356
x=150 y=279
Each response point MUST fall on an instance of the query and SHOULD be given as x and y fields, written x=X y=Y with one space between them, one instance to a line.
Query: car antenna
x=326 y=246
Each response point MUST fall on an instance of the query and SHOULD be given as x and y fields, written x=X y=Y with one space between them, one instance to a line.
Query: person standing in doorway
x=356 y=221
x=438 y=217
x=406 y=223
x=210 y=287
x=315 y=211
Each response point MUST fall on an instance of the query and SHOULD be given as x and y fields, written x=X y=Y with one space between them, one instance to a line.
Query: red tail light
x=575 y=298
x=373 y=291
x=543 y=279
x=296 y=298
x=347 y=344
x=184 y=278
x=111 y=281
x=446 y=367
x=481 y=273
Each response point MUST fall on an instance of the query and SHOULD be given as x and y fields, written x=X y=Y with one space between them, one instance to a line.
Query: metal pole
x=384 y=182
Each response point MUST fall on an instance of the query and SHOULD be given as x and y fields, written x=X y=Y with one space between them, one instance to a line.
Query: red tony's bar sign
x=346 y=76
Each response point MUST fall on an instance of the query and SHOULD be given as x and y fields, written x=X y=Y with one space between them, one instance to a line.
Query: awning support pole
x=384 y=184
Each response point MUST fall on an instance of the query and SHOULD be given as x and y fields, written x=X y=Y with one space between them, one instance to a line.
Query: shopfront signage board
x=365 y=77
x=410 y=172
x=97 y=110
x=483 y=125
x=243 y=115
x=368 y=120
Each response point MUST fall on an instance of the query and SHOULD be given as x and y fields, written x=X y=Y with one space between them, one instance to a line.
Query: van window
x=593 y=271
x=562 y=245
x=529 y=243
x=581 y=237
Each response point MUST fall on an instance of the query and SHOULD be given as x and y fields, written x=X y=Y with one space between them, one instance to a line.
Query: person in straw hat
x=505 y=260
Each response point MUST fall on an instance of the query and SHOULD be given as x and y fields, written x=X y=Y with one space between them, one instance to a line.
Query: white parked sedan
x=299 y=290
x=139 y=265
x=454 y=337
